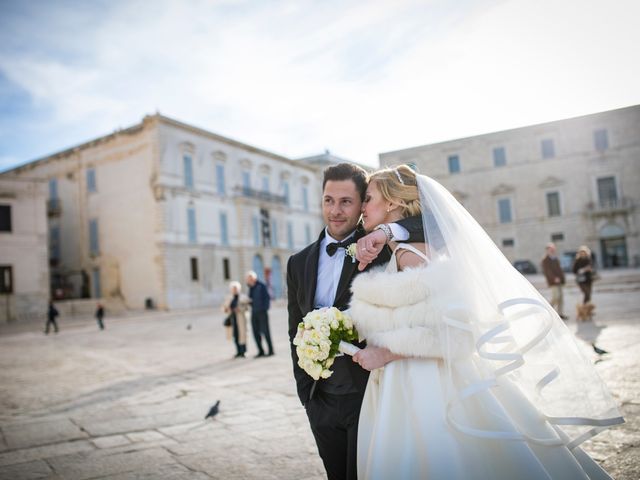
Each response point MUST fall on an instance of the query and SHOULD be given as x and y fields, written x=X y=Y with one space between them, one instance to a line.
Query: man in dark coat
x=260 y=302
x=100 y=316
x=321 y=276
x=52 y=313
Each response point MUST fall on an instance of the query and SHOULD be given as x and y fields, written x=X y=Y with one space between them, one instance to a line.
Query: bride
x=487 y=381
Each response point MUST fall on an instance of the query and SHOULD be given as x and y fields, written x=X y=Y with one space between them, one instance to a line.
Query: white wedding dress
x=403 y=429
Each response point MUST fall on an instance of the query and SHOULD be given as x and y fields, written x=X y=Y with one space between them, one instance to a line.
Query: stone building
x=165 y=214
x=573 y=182
x=24 y=269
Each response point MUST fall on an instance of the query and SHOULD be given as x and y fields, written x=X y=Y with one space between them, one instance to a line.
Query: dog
x=584 y=312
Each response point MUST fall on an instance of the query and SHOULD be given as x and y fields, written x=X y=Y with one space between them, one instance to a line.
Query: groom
x=321 y=276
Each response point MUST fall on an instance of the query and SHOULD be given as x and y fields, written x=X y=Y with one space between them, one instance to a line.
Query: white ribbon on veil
x=519 y=355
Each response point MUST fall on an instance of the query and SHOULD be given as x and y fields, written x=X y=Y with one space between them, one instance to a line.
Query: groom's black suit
x=333 y=417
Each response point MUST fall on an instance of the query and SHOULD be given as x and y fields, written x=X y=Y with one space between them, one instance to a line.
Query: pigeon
x=599 y=351
x=213 y=411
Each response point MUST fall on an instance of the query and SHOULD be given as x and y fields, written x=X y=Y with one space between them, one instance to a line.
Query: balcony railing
x=610 y=205
x=260 y=195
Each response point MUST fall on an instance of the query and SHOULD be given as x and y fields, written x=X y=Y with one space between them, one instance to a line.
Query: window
x=285 y=190
x=256 y=231
x=246 y=180
x=95 y=280
x=601 y=140
x=188 y=171
x=94 y=246
x=220 y=178
x=5 y=218
x=454 y=163
x=290 y=235
x=557 y=237
x=6 y=279
x=226 y=271
x=607 y=192
x=265 y=184
x=274 y=232
x=499 y=157
x=224 y=234
x=553 y=204
x=305 y=198
x=508 y=242
x=548 y=148
x=91 y=180
x=265 y=227
x=191 y=225
x=504 y=210
x=54 y=244
x=307 y=234
x=194 y=268
x=53 y=193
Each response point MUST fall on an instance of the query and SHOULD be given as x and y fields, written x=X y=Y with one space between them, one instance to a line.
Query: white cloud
x=359 y=78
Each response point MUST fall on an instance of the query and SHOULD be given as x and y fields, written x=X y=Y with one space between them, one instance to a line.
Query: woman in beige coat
x=235 y=305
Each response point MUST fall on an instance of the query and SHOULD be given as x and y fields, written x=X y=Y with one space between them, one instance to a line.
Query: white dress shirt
x=329 y=271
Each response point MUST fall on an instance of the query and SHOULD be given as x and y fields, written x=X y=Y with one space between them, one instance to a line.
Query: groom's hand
x=372 y=357
x=369 y=247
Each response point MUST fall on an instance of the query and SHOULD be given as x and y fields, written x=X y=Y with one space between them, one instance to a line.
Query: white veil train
x=506 y=349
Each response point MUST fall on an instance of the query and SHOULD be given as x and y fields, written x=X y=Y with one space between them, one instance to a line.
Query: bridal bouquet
x=321 y=335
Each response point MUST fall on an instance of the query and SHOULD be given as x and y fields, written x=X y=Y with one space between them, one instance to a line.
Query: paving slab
x=28 y=434
x=25 y=471
x=130 y=402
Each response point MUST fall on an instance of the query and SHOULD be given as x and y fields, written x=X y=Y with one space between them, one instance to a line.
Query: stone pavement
x=129 y=402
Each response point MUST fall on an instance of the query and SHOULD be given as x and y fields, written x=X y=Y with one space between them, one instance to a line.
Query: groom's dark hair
x=347 y=171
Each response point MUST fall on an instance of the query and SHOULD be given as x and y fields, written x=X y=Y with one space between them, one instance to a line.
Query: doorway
x=614 y=252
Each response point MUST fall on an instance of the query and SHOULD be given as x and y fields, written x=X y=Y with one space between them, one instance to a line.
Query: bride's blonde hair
x=399 y=185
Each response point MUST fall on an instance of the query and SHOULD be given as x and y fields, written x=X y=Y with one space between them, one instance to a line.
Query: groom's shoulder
x=302 y=254
x=298 y=259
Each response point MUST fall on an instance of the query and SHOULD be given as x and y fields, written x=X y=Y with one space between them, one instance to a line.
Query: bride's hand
x=369 y=247
x=372 y=357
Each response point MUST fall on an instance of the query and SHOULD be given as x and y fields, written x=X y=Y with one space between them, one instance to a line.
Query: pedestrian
x=260 y=302
x=583 y=269
x=100 y=316
x=235 y=305
x=51 y=318
x=555 y=278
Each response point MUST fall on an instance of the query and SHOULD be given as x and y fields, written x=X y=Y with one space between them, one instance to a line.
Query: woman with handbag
x=235 y=306
x=583 y=269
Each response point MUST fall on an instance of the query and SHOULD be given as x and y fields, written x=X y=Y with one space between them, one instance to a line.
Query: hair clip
x=395 y=170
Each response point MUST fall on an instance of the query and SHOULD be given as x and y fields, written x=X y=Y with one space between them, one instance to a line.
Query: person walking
x=555 y=278
x=260 y=303
x=100 y=316
x=52 y=313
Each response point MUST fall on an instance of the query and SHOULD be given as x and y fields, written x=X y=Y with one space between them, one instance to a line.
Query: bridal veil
x=504 y=343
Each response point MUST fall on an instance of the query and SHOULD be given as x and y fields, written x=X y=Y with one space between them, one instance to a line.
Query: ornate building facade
x=166 y=214
x=572 y=182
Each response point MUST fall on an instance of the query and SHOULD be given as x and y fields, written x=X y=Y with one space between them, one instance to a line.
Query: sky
x=300 y=77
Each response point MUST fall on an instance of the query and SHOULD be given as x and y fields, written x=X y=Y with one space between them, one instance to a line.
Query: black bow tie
x=334 y=246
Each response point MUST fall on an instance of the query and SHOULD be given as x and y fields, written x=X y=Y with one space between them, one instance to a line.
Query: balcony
x=610 y=206
x=259 y=195
x=53 y=207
